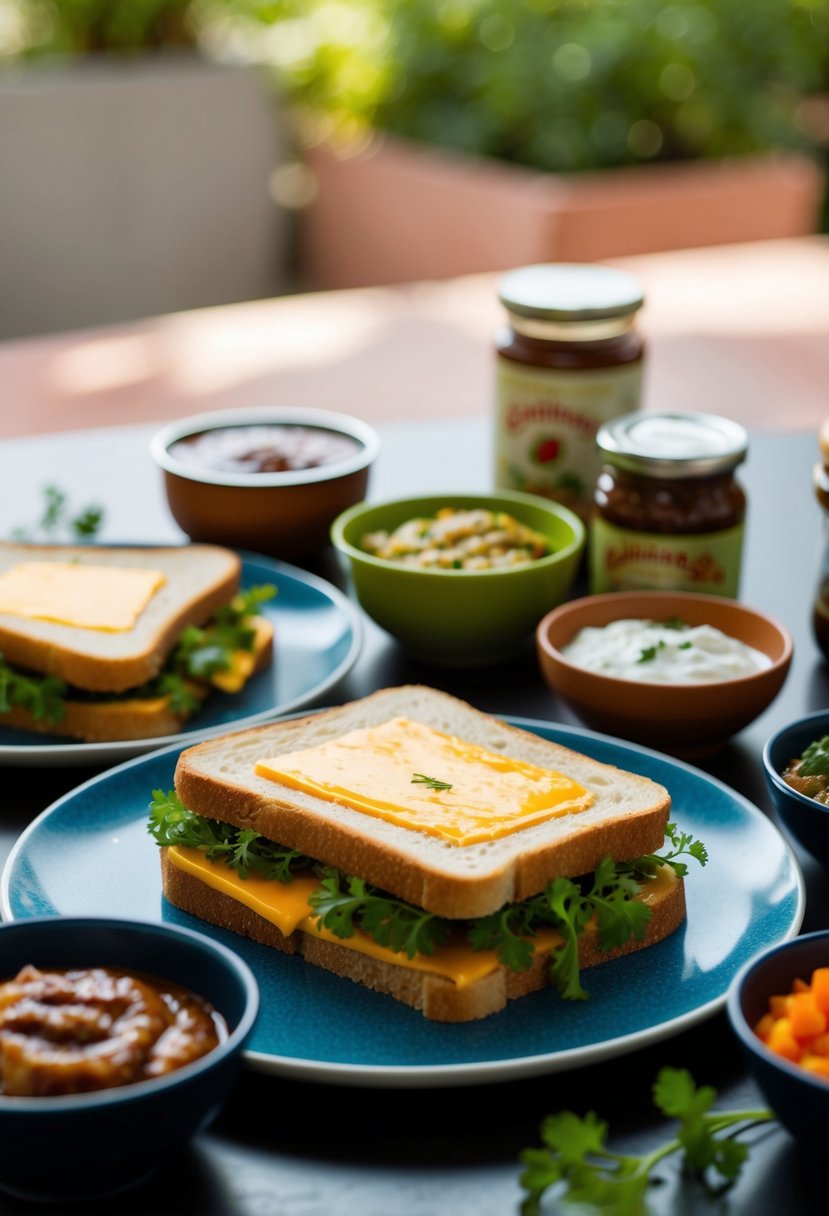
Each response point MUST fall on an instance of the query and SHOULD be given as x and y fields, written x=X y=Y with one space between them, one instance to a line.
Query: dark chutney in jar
x=669 y=510
x=569 y=359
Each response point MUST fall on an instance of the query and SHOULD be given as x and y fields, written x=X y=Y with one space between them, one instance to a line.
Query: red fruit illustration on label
x=546 y=451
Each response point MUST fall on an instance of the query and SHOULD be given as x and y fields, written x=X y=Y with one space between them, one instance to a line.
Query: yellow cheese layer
x=243 y=662
x=109 y=598
x=286 y=906
x=379 y=770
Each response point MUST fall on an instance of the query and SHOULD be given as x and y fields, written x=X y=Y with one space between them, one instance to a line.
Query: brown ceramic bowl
x=684 y=719
x=282 y=514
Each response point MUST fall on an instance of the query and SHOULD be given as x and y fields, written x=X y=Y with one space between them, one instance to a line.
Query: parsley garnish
x=171 y=823
x=57 y=520
x=42 y=696
x=815 y=760
x=577 y=1161
x=608 y=894
x=344 y=903
x=649 y=653
x=432 y=782
x=673 y=622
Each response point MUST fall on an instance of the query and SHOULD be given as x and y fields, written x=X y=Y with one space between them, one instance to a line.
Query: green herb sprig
x=344 y=903
x=57 y=522
x=815 y=759
x=432 y=782
x=171 y=823
x=575 y=1158
x=568 y=906
x=42 y=696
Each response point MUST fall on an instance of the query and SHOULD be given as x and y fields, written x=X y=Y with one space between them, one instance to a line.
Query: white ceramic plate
x=90 y=855
x=318 y=638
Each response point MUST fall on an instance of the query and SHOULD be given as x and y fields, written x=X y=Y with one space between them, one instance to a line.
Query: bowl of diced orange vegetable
x=778 y=1006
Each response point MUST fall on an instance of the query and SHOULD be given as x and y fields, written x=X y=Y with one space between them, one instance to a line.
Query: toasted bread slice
x=198 y=580
x=626 y=819
x=109 y=720
x=437 y=997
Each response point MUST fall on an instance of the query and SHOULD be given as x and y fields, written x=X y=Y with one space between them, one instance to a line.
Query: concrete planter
x=132 y=188
x=398 y=211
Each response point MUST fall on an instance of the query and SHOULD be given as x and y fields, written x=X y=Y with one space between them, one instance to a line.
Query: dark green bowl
x=461 y=618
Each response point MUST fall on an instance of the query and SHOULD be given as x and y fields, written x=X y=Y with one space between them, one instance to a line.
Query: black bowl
x=805 y=819
x=79 y=1145
x=799 y=1100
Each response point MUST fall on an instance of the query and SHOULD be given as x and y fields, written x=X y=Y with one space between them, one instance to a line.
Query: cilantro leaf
x=243 y=849
x=577 y=1162
x=649 y=653
x=42 y=696
x=344 y=903
x=815 y=759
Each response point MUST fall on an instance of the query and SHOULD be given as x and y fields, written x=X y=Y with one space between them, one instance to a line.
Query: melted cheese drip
x=371 y=770
x=286 y=906
x=108 y=598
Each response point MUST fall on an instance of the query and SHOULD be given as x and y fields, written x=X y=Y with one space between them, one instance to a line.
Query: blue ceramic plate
x=318 y=636
x=90 y=855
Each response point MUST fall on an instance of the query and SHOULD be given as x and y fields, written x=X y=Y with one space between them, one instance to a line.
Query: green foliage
x=554 y=84
x=577 y=1161
x=71 y=27
x=57 y=521
x=815 y=759
x=43 y=696
x=171 y=823
x=343 y=903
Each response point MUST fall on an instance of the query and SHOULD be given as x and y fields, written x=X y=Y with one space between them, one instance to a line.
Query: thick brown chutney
x=74 y=1031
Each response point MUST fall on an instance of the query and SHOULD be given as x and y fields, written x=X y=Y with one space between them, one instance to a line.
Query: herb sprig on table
x=577 y=1162
x=57 y=522
x=344 y=903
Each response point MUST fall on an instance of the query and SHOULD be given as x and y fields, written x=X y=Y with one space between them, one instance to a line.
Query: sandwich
x=114 y=643
x=413 y=844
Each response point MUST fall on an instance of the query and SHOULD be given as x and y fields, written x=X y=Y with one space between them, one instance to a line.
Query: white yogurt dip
x=670 y=652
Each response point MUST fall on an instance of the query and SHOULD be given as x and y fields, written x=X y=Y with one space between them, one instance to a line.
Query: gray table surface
x=284 y=1148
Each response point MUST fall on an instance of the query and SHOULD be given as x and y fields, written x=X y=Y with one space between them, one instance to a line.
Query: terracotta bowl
x=285 y=515
x=684 y=719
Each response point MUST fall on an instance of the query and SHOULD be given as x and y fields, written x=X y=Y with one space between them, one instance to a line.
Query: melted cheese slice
x=286 y=906
x=109 y=598
x=372 y=770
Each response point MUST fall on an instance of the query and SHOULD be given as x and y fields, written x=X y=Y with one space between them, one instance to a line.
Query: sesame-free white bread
x=627 y=818
x=437 y=997
x=198 y=580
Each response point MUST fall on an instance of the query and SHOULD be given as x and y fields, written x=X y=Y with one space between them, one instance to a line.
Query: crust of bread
x=627 y=818
x=199 y=580
x=110 y=721
x=436 y=997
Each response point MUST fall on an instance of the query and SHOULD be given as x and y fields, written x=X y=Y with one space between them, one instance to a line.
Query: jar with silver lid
x=568 y=360
x=669 y=512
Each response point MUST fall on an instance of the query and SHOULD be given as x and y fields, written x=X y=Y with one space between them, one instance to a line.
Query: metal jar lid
x=673 y=445
x=570 y=292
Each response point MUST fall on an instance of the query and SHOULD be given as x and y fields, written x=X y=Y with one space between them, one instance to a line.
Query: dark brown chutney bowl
x=69 y=1147
x=285 y=513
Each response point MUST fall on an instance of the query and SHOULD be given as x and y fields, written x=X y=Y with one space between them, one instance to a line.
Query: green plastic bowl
x=461 y=618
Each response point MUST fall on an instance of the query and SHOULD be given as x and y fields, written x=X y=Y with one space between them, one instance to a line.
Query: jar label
x=622 y=560
x=546 y=424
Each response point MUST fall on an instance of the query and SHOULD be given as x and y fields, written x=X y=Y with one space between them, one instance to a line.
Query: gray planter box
x=132 y=188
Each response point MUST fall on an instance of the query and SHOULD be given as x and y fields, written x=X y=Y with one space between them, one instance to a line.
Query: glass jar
x=568 y=360
x=669 y=510
x=820 y=611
